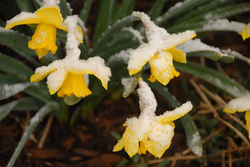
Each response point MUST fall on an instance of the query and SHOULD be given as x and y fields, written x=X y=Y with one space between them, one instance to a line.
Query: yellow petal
x=142 y=149
x=246 y=32
x=178 y=55
x=157 y=148
x=43 y=40
x=50 y=15
x=130 y=144
x=22 y=18
x=38 y=76
x=162 y=68
x=247 y=117
x=74 y=84
x=176 y=113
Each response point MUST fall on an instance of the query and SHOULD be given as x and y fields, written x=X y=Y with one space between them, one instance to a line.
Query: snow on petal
x=239 y=104
x=176 y=113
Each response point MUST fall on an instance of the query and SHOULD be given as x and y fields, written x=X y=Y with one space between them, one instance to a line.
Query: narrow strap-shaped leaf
x=50 y=106
x=224 y=12
x=213 y=77
x=25 y=5
x=236 y=55
x=7 y=91
x=193 y=136
x=6 y=109
x=84 y=13
x=8 y=79
x=39 y=91
x=104 y=18
x=65 y=8
x=203 y=9
x=19 y=43
x=178 y=9
x=15 y=67
x=37 y=3
x=125 y=9
x=116 y=26
x=28 y=103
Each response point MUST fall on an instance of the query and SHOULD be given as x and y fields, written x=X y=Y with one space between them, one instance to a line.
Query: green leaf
x=50 y=106
x=180 y=8
x=19 y=43
x=26 y=5
x=7 y=91
x=84 y=13
x=14 y=67
x=156 y=9
x=6 y=109
x=116 y=26
x=192 y=133
x=8 y=79
x=125 y=9
x=39 y=90
x=205 y=53
x=224 y=12
x=193 y=136
x=117 y=136
x=213 y=77
x=122 y=163
x=28 y=103
x=104 y=18
x=203 y=9
x=164 y=163
x=65 y=8
x=235 y=55
x=38 y=3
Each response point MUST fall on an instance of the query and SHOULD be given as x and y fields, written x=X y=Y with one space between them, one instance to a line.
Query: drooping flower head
x=46 y=19
x=246 y=32
x=159 y=51
x=66 y=76
x=148 y=131
x=240 y=104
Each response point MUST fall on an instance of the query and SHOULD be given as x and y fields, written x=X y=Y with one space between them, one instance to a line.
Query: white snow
x=122 y=56
x=47 y=3
x=239 y=104
x=136 y=33
x=224 y=25
x=21 y=16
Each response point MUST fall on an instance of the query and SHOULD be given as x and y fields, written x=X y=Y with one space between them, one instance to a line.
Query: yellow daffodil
x=67 y=76
x=246 y=32
x=240 y=104
x=150 y=132
x=47 y=19
x=159 y=52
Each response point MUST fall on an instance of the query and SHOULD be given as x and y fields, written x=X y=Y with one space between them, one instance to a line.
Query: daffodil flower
x=159 y=51
x=150 y=132
x=240 y=104
x=47 y=19
x=66 y=76
x=246 y=32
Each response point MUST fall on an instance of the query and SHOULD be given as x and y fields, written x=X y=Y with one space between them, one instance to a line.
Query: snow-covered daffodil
x=246 y=32
x=66 y=76
x=240 y=104
x=148 y=131
x=46 y=19
x=159 y=51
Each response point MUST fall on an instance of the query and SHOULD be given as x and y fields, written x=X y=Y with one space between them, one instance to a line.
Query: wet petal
x=178 y=55
x=74 y=84
x=162 y=68
x=247 y=117
x=22 y=18
x=246 y=32
x=159 y=138
x=176 y=113
x=239 y=104
x=139 y=57
x=43 y=40
x=55 y=80
x=50 y=15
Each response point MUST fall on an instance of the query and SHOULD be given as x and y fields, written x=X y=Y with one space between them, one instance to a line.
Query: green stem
x=33 y=124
